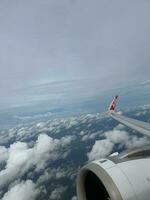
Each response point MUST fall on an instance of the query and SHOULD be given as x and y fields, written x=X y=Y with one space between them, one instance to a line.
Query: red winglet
x=113 y=104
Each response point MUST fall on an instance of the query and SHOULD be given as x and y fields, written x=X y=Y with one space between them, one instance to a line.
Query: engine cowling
x=116 y=178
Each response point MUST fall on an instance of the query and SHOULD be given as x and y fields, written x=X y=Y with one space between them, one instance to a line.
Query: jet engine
x=116 y=178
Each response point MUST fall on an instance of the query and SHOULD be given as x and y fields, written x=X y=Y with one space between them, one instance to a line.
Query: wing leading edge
x=141 y=127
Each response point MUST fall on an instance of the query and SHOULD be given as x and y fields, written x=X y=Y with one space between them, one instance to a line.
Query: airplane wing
x=140 y=126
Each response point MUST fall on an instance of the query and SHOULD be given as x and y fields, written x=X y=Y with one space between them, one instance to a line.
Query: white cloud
x=17 y=162
x=117 y=136
x=57 y=173
x=85 y=137
x=21 y=158
x=22 y=191
x=82 y=133
x=74 y=198
x=119 y=127
x=57 y=193
x=34 y=117
x=67 y=140
x=141 y=113
x=101 y=148
x=26 y=132
x=136 y=142
x=3 y=154
x=91 y=136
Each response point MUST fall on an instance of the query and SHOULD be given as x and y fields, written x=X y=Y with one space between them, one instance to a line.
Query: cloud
x=53 y=173
x=17 y=162
x=34 y=158
x=100 y=149
x=117 y=136
x=63 y=45
x=57 y=193
x=34 y=117
x=23 y=191
x=103 y=148
x=82 y=133
x=3 y=154
x=119 y=127
x=74 y=198
x=27 y=132
x=21 y=158
x=138 y=114
x=90 y=136
x=136 y=142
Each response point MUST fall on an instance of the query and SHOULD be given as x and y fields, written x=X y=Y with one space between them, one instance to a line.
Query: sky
x=71 y=49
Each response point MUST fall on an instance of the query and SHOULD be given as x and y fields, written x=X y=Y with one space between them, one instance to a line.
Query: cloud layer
x=42 y=157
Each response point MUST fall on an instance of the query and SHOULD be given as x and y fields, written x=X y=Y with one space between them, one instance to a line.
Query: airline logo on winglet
x=113 y=104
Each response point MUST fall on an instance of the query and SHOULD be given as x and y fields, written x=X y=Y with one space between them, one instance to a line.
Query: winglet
x=113 y=104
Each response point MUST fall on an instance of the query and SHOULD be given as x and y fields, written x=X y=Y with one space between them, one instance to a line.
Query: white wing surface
x=142 y=127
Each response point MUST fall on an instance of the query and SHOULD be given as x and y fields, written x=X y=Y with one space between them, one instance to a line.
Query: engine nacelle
x=116 y=178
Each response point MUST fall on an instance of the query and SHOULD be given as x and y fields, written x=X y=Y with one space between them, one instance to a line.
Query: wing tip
x=113 y=104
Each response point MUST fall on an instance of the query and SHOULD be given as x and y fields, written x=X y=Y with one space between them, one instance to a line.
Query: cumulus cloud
x=22 y=191
x=141 y=113
x=29 y=131
x=136 y=142
x=53 y=173
x=74 y=198
x=82 y=133
x=117 y=136
x=17 y=162
x=91 y=136
x=57 y=193
x=103 y=148
x=100 y=149
x=119 y=127
x=3 y=154
x=21 y=158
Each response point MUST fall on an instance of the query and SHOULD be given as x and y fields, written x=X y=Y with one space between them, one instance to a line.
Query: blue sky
x=71 y=50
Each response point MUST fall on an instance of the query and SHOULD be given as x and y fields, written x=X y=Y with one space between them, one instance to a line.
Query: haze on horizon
x=71 y=49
